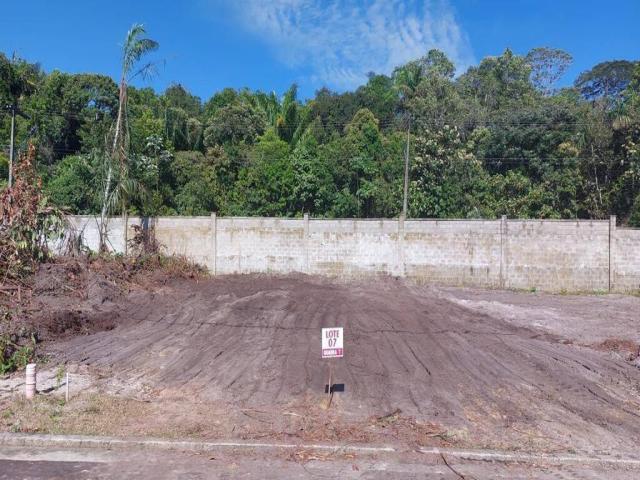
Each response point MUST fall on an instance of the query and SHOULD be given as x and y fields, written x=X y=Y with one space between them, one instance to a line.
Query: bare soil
x=469 y=367
x=584 y=319
x=71 y=296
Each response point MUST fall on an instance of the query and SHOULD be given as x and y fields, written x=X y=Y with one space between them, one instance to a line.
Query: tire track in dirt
x=255 y=341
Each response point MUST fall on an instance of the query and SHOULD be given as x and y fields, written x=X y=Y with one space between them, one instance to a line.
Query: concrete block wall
x=187 y=236
x=249 y=245
x=87 y=227
x=453 y=252
x=625 y=254
x=353 y=247
x=550 y=255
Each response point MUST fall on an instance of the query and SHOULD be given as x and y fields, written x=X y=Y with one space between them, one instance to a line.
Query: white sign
x=332 y=343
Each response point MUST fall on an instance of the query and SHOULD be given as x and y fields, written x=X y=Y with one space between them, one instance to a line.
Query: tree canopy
x=497 y=139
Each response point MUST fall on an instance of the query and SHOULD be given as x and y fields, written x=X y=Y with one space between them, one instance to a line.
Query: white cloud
x=340 y=41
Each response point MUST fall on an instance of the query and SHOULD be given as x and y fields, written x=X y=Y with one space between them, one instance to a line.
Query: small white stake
x=30 y=381
x=66 y=393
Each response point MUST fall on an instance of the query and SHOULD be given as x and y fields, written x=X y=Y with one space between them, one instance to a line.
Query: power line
x=387 y=123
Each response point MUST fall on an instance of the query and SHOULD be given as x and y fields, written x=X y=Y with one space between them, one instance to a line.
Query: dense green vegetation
x=499 y=139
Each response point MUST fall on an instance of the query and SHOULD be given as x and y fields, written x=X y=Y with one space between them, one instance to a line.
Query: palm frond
x=148 y=70
x=290 y=96
x=135 y=47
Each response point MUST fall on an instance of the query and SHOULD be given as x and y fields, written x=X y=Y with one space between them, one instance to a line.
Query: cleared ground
x=239 y=356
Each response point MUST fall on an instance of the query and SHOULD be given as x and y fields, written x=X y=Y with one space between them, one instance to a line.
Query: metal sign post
x=332 y=347
x=329 y=389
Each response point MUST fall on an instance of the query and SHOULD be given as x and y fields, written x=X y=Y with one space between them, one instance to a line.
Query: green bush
x=14 y=356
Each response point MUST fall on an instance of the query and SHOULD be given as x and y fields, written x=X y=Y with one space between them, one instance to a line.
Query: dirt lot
x=239 y=356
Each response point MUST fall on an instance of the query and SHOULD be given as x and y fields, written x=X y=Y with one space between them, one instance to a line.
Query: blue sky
x=207 y=45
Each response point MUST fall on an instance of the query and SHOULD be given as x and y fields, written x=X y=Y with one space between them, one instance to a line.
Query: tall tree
x=135 y=48
x=499 y=82
x=282 y=114
x=434 y=64
x=607 y=80
x=547 y=67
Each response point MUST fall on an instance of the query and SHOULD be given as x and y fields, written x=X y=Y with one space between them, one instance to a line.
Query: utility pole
x=11 y=146
x=406 y=172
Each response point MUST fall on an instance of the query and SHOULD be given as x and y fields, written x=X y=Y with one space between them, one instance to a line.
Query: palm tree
x=283 y=115
x=135 y=47
x=407 y=78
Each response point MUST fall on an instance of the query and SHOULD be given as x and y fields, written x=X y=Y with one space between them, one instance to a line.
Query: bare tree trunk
x=595 y=174
x=118 y=128
x=104 y=212
x=125 y=221
x=119 y=145
x=11 y=145
x=117 y=151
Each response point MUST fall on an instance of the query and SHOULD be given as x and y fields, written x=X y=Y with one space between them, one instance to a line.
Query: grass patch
x=14 y=356
x=99 y=414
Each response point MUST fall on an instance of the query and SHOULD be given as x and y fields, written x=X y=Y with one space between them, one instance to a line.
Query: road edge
x=118 y=443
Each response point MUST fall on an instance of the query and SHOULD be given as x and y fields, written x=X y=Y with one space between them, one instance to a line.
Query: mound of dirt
x=72 y=296
x=254 y=341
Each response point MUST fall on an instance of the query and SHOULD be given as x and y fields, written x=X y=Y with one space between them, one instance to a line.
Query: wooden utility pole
x=406 y=173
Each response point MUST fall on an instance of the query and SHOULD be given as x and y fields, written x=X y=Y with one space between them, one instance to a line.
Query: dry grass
x=146 y=269
x=97 y=414
x=100 y=414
